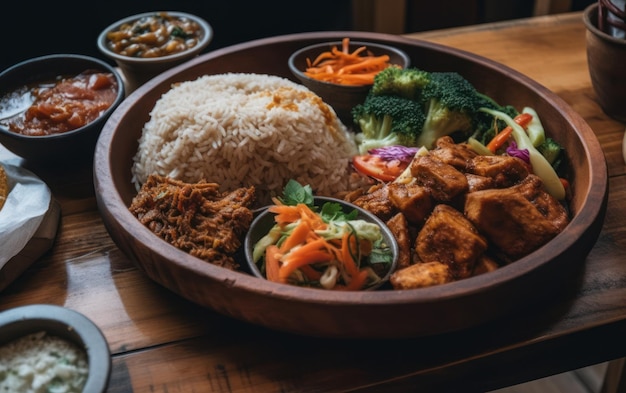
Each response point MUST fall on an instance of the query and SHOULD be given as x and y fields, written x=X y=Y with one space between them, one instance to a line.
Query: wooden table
x=162 y=343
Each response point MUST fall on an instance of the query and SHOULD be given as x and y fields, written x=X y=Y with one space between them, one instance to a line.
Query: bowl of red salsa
x=52 y=108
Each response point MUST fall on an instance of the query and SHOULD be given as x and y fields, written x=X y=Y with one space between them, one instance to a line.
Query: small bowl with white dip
x=46 y=347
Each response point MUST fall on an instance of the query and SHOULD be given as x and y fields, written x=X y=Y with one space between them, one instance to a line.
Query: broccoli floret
x=450 y=104
x=429 y=104
x=552 y=151
x=407 y=83
x=387 y=120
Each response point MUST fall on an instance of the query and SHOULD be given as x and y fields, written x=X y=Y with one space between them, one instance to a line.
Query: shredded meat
x=196 y=217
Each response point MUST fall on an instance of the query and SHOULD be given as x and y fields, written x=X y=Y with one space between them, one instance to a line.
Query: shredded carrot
x=295 y=262
x=297 y=236
x=358 y=281
x=523 y=119
x=314 y=220
x=272 y=256
x=346 y=255
x=285 y=213
x=311 y=273
x=302 y=251
x=358 y=67
x=501 y=137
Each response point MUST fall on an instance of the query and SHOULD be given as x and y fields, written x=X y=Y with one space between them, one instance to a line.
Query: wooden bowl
x=606 y=56
x=527 y=282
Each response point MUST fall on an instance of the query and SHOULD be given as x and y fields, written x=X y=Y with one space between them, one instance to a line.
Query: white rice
x=241 y=129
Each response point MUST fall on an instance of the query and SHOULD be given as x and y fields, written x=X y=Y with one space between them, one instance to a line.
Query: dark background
x=72 y=26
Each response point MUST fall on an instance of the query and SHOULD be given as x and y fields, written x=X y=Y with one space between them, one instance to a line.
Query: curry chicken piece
x=421 y=275
x=519 y=219
x=477 y=182
x=196 y=217
x=546 y=204
x=443 y=181
x=413 y=200
x=458 y=155
x=450 y=238
x=485 y=264
x=505 y=171
x=399 y=227
x=376 y=201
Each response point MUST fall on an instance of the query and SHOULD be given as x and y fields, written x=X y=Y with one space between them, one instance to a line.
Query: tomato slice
x=378 y=168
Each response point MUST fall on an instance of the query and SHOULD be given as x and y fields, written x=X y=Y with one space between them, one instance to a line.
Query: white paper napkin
x=24 y=209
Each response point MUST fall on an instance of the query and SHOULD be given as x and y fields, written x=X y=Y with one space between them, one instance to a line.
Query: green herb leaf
x=381 y=253
x=178 y=32
x=332 y=211
x=295 y=193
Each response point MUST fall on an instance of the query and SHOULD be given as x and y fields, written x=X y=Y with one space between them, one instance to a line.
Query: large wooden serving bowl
x=377 y=314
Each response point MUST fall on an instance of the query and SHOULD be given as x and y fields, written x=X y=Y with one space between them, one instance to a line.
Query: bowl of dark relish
x=146 y=44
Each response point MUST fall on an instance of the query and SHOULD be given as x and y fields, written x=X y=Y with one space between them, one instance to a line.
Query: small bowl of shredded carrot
x=342 y=72
x=320 y=242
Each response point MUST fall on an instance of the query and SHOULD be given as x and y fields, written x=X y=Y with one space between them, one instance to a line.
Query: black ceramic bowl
x=66 y=324
x=264 y=221
x=74 y=145
x=341 y=97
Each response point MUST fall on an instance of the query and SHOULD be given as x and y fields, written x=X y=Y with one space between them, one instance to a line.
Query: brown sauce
x=58 y=106
x=157 y=35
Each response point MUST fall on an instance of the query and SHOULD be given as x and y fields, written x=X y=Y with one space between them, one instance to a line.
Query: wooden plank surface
x=162 y=343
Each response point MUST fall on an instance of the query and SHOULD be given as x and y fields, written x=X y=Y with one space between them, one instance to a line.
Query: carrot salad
x=347 y=68
x=326 y=249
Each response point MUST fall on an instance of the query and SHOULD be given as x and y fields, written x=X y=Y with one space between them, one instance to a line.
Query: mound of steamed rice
x=241 y=129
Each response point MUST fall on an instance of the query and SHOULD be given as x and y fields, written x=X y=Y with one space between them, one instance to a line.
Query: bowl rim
x=588 y=221
x=263 y=212
x=590 y=16
x=202 y=44
x=80 y=330
x=120 y=96
x=300 y=74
